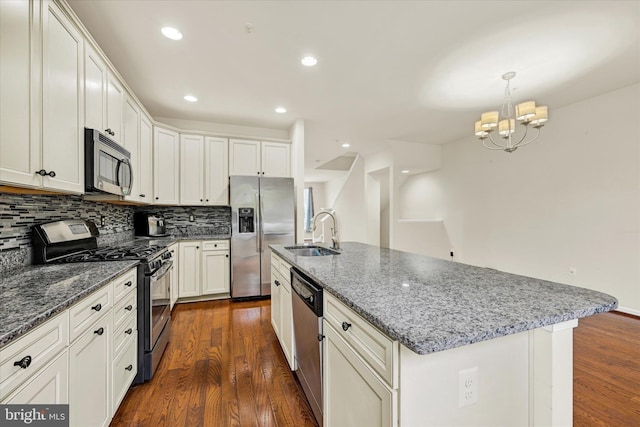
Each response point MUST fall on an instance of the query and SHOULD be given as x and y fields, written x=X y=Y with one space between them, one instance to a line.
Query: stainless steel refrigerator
x=262 y=214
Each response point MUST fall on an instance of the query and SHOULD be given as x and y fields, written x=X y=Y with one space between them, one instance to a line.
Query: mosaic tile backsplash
x=18 y=212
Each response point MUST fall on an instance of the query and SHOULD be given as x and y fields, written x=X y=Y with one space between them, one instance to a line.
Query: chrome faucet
x=335 y=243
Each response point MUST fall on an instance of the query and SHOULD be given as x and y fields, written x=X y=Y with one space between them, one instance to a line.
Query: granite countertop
x=31 y=295
x=430 y=305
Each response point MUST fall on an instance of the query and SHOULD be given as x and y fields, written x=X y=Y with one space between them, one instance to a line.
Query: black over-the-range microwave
x=107 y=165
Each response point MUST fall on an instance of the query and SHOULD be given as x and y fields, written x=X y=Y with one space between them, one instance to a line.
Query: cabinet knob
x=207 y=200
x=99 y=331
x=262 y=173
x=215 y=245
x=128 y=368
x=142 y=195
x=156 y=198
x=227 y=255
x=23 y=363
x=277 y=282
x=129 y=283
x=200 y=199
x=345 y=326
x=258 y=172
x=128 y=331
x=97 y=307
x=197 y=247
x=129 y=307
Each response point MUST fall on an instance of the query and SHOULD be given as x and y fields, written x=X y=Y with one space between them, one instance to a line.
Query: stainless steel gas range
x=76 y=241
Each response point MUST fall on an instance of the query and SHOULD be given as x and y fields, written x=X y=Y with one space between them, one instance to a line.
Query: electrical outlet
x=192 y=218
x=467 y=387
x=103 y=221
x=573 y=271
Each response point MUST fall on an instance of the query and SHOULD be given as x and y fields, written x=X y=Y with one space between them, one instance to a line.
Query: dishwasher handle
x=308 y=291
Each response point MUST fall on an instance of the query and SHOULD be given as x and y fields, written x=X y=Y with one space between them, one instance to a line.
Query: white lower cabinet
x=85 y=356
x=204 y=268
x=282 y=308
x=360 y=372
x=90 y=375
x=49 y=385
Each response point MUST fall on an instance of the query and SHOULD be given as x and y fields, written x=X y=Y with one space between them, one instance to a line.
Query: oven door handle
x=166 y=267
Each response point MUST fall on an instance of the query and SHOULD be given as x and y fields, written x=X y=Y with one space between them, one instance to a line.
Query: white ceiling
x=417 y=71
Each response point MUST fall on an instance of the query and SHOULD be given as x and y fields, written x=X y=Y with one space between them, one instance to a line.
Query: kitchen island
x=475 y=346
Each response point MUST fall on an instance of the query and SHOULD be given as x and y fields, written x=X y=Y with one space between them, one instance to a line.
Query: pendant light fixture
x=504 y=121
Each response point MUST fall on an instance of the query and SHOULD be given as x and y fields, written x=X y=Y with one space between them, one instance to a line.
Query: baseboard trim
x=628 y=310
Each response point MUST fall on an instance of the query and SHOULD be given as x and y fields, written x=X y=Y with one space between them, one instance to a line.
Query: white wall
x=569 y=199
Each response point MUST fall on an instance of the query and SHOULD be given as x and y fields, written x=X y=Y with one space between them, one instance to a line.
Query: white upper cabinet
x=259 y=158
x=145 y=168
x=216 y=171
x=95 y=89
x=276 y=159
x=131 y=141
x=104 y=97
x=115 y=100
x=166 y=166
x=42 y=104
x=63 y=102
x=244 y=157
x=203 y=170
x=191 y=169
x=20 y=89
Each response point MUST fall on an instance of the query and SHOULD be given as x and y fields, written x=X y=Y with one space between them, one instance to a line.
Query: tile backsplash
x=19 y=212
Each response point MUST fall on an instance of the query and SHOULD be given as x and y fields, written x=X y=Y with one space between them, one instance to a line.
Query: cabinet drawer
x=123 y=334
x=87 y=311
x=214 y=245
x=285 y=271
x=125 y=308
x=275 y=262
x=41 y=345
x=50 y=385
x=123 y=284
x=125 y=367
x=375 y=348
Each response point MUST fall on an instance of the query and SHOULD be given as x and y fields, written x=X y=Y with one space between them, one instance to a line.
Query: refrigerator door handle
x=261 y=224
x=257 y=218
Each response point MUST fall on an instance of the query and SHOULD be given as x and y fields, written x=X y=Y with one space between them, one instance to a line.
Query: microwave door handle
x=125 y=161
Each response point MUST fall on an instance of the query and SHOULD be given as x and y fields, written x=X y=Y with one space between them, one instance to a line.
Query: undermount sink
x=311 y=250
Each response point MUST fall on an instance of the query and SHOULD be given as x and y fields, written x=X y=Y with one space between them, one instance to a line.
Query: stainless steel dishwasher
x=307 y=329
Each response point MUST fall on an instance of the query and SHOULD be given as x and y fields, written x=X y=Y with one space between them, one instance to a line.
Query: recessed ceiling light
x=190 y=98
x=280 y=110
x=309 y=61
x=171 y=33
x=405 y=171
x=346 y=145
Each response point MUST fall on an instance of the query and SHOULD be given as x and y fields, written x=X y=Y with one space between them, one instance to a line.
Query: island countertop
x=430 y=305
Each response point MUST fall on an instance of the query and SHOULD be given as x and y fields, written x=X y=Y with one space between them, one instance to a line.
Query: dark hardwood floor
x=606 y=371
x=224 y=367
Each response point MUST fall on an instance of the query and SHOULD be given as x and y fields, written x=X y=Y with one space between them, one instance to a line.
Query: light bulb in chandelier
x=505 y=120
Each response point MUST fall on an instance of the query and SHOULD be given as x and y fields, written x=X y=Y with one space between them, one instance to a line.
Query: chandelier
x=504 y=122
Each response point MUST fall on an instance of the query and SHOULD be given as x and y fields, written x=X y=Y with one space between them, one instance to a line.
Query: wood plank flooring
x=606 y=371
x=224 y=367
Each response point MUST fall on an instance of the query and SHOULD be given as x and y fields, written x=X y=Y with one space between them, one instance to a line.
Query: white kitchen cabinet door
x=145 y=164
x=276 y=159
x=131 y=141
x=95 y=89
x=90 y=375
x=174 y=250
x=216 y=171
x=215 y=272
x=244 y=157
x=21 y=93
x=276 y=314
x=63 y=102
x=115 y=104
x=352 y=393
x=189 y=269
x=166 y=166
x=286 y=324
x=191 y=170
x=50 y=385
